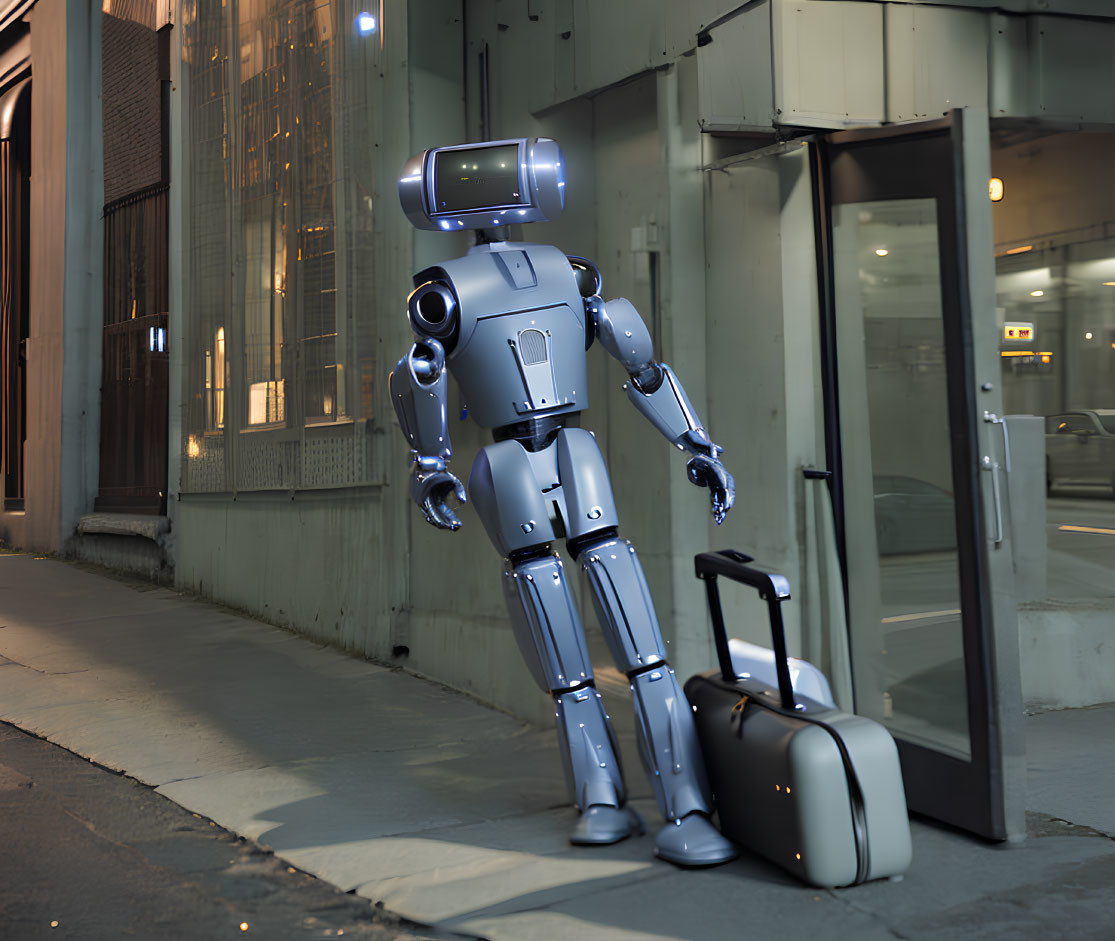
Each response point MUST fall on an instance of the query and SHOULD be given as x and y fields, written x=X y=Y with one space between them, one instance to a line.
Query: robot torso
x=517 y=347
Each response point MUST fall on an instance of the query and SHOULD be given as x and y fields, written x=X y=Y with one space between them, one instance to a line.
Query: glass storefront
x=902 y=550
x=1055 y=299
x=279 y=161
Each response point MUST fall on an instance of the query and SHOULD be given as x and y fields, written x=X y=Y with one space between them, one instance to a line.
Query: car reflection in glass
x=913 y=515
x=1080 y=450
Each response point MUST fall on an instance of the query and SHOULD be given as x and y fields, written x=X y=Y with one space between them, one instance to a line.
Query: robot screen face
x=478 y=186
x=477 y=179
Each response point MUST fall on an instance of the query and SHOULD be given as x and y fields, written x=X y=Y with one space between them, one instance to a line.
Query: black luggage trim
x=774 y=589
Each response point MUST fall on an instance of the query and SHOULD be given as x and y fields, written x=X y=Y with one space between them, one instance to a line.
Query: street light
x=365 y=24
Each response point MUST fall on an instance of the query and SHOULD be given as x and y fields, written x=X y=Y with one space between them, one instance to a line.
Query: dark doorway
x=15 y=200
x=135 y=379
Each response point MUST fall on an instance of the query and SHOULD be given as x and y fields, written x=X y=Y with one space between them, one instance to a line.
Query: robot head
x=480 y=186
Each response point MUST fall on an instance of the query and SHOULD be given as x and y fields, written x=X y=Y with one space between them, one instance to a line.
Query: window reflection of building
x=1068 y=293
x=286 y=191
x=1055 y=300
x=278 y=154
x=215 y=384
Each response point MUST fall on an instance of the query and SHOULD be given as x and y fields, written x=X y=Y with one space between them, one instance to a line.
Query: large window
x=1055 y=294
x=279 y=166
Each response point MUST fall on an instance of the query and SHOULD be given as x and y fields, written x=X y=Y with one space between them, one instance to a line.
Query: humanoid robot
x=512 y=321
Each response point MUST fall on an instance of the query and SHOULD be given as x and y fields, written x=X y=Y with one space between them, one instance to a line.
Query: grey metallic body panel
x=589 y=752
x=421 y=405
x=667 y=408
x=508 y=499
x=547 y=626
x=589 y=504
x=623 y=333
x=668 y=744
x=622 y=601
x=520 y=347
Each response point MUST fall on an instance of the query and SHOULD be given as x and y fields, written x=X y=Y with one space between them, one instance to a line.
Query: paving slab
x=452 y=813
x=1072 y=765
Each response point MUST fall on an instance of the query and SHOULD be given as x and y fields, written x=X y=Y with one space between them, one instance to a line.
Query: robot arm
x=419 y=392
x=656 y=392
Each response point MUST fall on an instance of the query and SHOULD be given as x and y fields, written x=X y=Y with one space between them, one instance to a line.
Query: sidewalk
x=453 y=814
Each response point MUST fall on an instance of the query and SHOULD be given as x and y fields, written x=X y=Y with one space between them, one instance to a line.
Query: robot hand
x=705 y=470
x=430 y=487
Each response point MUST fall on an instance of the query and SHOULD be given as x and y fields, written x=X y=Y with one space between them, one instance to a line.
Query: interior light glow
x=1037 y=293
x=1020 y=250
x=1087 y=336
x=882 y=252
x=995 y=189
x=1046 y=358
x=444 y=224
x=365 y=25
x=1109 y=284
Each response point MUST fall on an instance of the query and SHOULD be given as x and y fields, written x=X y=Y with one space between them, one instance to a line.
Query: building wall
x=84 y=267
x=719 y=260
x=63 y=347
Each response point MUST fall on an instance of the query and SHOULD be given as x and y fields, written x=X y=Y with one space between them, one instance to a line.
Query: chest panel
x=522 y=363
x=520 y=349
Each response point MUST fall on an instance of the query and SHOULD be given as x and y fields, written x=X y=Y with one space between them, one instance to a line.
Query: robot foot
x=601 y=824
x=692 y=841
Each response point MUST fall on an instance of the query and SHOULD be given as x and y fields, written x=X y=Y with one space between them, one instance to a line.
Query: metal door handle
x=993 y=468
x=994 y=419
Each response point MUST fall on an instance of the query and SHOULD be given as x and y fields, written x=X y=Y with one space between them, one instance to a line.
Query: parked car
x=913 y=515
x=1080 y=449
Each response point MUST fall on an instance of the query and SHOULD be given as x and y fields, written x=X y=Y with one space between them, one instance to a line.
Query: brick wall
x=131 y=107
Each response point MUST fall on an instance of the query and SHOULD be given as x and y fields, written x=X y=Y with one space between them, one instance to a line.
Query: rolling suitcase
x=815 y=790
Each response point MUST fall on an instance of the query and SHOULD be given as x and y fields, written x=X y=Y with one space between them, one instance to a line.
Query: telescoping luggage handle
x=773 y=589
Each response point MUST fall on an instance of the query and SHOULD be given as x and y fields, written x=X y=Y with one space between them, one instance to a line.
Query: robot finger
x=447 y=519
x=439 y=514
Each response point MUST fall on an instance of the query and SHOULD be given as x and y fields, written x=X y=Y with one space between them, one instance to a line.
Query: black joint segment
x=578 y=545
x=590 y=683
x=534 y=434
x=530 y=553
x=646 y=668
x=649 y=379
x=589 y=280
x=813 y=474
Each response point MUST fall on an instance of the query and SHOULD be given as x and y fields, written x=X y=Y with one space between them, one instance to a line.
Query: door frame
x=984 y=794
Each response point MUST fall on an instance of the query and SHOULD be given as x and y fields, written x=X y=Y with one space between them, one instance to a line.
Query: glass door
x=919 y=461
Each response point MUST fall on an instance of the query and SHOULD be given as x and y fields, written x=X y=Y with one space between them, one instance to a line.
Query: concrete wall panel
x=936 y=60
x=828 y=63
x=736 y=85
x=1074 y=61
x=43 y=452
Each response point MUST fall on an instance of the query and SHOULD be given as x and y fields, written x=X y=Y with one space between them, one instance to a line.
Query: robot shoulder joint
x=434 y=312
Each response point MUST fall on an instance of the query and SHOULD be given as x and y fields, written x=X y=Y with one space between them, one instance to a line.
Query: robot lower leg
x=667 y=735
x=665 y=729
x=551 y=638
